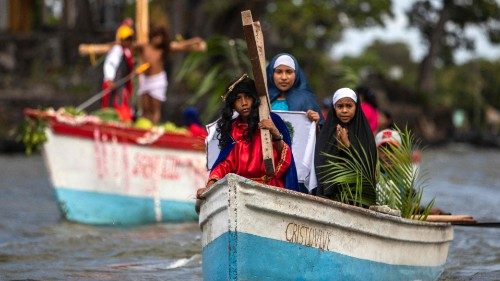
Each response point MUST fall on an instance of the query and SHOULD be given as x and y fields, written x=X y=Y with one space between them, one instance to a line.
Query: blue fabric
x=299 y=97
x=279 y=105
x=291 y=179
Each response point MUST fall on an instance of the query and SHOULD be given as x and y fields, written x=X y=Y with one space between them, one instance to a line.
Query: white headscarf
x=344 y=93
x=285 y=60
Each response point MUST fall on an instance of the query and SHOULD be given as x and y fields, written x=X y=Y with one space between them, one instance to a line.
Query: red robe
x=123 y=108
x=245 y=159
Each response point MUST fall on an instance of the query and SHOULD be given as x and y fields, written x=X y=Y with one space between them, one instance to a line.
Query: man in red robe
x=241 y=142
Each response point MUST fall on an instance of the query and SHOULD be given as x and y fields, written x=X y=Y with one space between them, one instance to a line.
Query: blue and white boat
x=257 y=232
x=112 y=174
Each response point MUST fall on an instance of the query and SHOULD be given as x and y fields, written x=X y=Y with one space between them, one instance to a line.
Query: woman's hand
x=269 y=125
x=343 y=136
x=312 y=115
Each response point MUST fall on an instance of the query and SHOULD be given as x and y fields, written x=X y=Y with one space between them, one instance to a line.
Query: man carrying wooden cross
x=240 y=140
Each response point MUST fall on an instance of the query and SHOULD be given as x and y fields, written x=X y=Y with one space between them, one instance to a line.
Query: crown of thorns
x=231 y=87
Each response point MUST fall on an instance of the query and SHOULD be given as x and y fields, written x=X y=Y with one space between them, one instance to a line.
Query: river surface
x=36 y=244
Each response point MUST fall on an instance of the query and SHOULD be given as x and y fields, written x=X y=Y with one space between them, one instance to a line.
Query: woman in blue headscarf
x=288 y=87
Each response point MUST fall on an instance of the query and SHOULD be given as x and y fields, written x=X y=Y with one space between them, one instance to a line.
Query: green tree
x=442 y=25
x=308 y=29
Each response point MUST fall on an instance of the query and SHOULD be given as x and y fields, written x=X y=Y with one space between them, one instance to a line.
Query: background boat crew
x=288 y=87
x=153 y=83
x=369 y=106
x=192 y=121
x=240 y=140
x=345 y=127
x=118 y=64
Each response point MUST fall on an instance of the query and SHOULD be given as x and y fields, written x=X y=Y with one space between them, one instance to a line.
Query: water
x=36 y=244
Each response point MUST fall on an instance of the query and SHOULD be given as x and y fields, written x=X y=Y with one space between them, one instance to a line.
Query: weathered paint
x=255 y=232
x=106 y=208
x=104 y=180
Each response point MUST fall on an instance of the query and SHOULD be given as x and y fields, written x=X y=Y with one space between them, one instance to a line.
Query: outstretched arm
x=193 y=44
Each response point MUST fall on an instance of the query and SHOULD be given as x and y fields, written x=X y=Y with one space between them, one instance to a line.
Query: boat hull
x=254 y=232
x=103 y=175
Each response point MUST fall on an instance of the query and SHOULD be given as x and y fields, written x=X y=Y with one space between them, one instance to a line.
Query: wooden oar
x=478 y=224
x=458 y=220
x=140 y=69
x=449 y=218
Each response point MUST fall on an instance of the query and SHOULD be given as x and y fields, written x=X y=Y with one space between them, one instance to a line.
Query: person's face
x=243 y=104
x=127 y=42
x=345 y=108
x=385 y=161
x=284 y=77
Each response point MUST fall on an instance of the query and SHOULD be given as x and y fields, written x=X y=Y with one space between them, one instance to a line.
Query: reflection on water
x=36 y=244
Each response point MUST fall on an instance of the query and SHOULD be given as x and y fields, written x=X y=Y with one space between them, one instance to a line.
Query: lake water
x=36 y=244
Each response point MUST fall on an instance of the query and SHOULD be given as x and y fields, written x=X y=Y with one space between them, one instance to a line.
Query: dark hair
x=368 y=95
x=388 y=115
x=246 y=86
x=165 y=38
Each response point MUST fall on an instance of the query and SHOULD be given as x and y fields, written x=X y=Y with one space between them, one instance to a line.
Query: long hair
x=247 y=86
x=164 y=45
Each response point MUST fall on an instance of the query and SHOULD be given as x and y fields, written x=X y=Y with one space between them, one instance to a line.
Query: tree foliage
x=443 y=25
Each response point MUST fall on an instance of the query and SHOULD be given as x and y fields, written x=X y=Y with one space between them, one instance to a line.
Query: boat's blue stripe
x=105 y=208
x=242 y=256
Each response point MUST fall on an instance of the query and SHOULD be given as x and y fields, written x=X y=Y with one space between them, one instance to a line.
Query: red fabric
x=105 y=97
x=123 y=108
x=246 y=159
x=371 y=115
x=197 y=130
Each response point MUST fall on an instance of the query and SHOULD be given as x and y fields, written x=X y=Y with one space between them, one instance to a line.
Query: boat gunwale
x=326 y=202
x=86 y=130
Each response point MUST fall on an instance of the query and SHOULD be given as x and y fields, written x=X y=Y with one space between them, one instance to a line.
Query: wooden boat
x=113 y=174
x=257 y=232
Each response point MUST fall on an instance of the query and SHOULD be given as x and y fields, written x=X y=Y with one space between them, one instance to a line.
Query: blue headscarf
x=299 y=97
x=291 y=179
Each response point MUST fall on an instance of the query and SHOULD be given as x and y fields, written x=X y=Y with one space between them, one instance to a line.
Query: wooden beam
x=188 y=45
x=141 y=21
x=255 y=44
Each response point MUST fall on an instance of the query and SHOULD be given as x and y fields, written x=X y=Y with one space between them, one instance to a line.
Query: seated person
x=345 y=128
x=192 y=122
x=241 y=144
x=386 y=141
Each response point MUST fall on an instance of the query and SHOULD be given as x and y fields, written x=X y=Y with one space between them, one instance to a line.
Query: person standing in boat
x=288 y=87
x=118 y=64
x=241 y=144
x=345 y=129
x=153 y=83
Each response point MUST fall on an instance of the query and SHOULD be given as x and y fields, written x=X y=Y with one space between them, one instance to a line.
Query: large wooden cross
x=142 y=36
x=255 y=44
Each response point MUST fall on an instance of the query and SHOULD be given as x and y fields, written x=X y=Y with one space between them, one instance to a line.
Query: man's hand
x=200 y=191
x=269 y=125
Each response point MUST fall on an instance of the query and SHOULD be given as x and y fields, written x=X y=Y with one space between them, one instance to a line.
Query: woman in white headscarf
x=345 y=127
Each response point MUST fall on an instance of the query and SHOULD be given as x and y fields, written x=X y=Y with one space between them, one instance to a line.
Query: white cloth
x=112 y=62
x=284 y=60
x=303 y=143
x=344 y=93
x=154 y=85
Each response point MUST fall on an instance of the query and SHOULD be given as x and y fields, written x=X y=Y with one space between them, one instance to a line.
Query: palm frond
x=400 y=187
